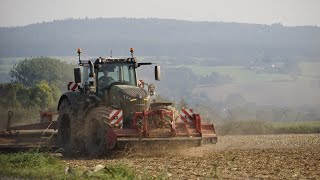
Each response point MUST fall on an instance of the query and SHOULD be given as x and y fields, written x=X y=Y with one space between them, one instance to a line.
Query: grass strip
x=256 y=127
x=35 y=165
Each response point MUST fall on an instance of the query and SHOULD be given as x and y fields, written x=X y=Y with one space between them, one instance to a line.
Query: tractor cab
x=114 y=81
x=94 y=76
x=110 y=74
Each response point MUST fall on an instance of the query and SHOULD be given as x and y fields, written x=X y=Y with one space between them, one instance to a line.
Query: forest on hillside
x=226 y=42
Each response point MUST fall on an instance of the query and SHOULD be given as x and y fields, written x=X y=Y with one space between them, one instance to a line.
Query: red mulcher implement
x=107 y=106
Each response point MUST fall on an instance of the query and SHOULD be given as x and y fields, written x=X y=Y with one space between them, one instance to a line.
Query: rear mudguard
x=80 y=103
x=75 y=98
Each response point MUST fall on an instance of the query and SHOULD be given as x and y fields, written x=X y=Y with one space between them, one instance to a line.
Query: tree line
x=36 y=83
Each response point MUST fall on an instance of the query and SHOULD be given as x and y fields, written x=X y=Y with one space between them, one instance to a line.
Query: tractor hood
x=129 y=92
x=130 y=99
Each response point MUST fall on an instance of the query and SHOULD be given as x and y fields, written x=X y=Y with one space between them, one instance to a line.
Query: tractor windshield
x=124 y=73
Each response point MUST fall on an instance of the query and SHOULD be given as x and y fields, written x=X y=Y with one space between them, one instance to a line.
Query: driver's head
x=108 y=68
x=105 y=72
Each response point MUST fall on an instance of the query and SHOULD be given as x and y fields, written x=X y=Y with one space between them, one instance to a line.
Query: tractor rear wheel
x=99 y=136
x=68 y=131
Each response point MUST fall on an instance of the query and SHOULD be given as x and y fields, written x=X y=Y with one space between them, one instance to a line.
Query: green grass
x=239 y=74
x=31 y=165
x=44 y=166
x=296 y=127
x=115 y=172
x=247 y=127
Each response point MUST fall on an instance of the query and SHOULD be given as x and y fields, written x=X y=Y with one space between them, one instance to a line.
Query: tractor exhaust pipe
x=92 y=79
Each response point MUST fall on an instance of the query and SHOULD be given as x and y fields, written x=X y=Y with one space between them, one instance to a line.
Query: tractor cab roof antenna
x=111 y=53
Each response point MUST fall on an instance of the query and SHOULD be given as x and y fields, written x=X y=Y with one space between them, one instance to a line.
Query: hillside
x=227 y=42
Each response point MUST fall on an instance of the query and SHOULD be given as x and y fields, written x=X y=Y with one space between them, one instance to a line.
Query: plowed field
x=233 y=157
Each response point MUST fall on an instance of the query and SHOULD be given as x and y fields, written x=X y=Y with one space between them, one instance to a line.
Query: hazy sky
x=287 y=12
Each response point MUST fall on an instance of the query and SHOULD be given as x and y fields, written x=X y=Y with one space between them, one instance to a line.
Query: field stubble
x=233 y=157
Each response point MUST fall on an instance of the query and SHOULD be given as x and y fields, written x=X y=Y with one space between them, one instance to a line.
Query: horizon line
x=147 y=18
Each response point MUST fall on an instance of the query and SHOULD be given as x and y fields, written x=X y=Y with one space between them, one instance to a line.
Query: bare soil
x=233 y=157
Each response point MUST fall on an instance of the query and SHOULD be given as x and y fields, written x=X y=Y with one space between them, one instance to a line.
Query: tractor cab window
x=123 y=73
x=112 y=73
x=129 y=75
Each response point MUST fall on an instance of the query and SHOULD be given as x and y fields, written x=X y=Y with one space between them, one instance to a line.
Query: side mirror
x=77 y=75
x=157 y=72
x=151 y=89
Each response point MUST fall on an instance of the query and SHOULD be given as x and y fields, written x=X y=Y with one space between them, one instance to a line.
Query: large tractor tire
x=68 y=130
x=99 y=136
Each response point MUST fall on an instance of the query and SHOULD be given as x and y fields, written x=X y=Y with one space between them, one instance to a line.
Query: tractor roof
x=102 y=60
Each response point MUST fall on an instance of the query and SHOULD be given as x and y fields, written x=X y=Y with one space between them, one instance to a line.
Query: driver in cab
x=106 y=80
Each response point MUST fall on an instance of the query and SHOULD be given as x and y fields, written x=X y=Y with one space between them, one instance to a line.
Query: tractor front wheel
x=68 y=131
x=99 y=136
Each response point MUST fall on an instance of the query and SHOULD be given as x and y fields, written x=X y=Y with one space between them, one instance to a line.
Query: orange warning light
x=78 y=50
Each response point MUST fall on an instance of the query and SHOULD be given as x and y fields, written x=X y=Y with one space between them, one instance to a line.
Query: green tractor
x=106 y=104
